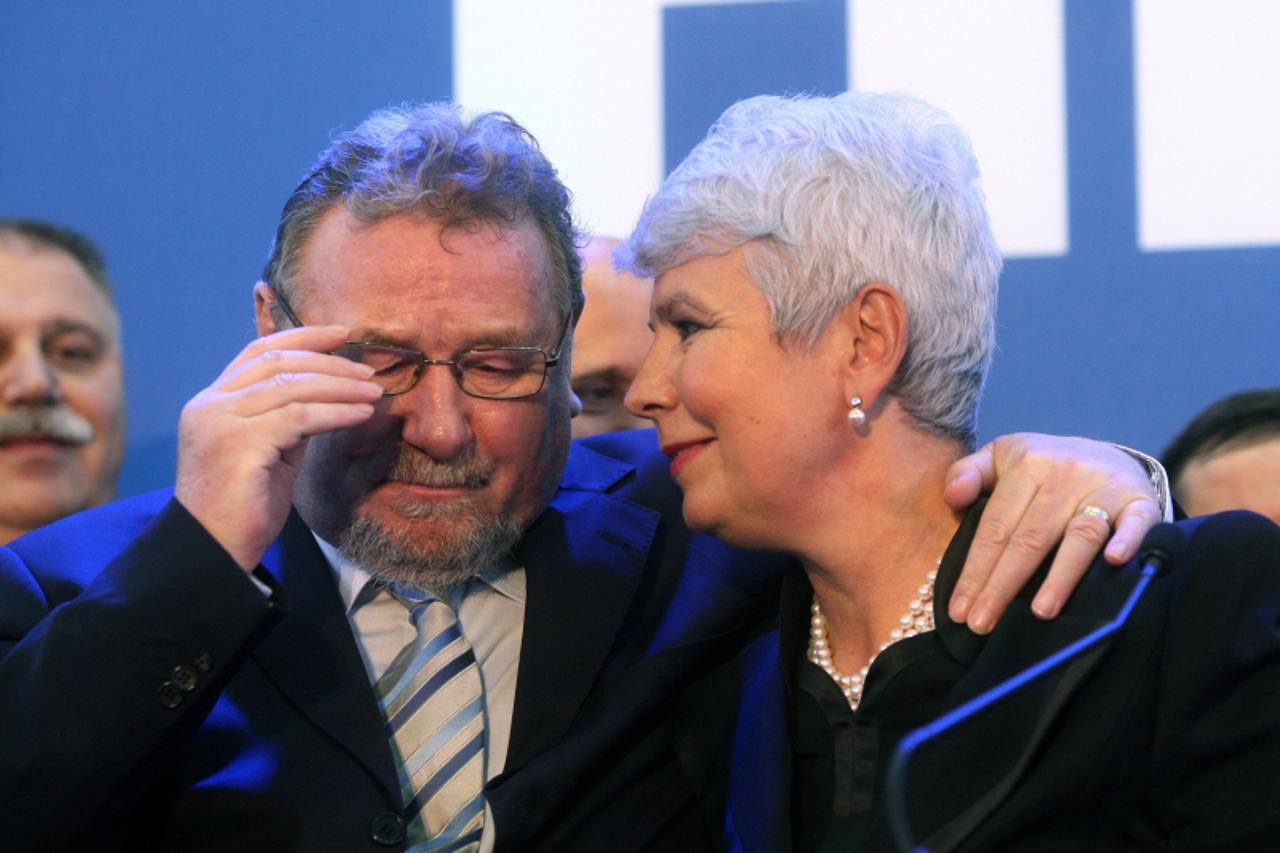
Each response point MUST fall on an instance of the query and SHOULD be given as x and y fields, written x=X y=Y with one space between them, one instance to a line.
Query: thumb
x=970 y=476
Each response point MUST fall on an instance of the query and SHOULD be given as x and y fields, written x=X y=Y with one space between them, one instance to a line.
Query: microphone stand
x=896 y=779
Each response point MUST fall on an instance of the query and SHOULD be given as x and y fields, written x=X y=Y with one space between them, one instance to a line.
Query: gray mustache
x=411 y=466
x=58 y=423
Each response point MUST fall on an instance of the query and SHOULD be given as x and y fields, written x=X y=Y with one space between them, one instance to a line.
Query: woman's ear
x=263 y=299
x=874 y=333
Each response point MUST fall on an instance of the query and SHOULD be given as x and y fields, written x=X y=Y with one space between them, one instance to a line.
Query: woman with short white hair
x=824 y=315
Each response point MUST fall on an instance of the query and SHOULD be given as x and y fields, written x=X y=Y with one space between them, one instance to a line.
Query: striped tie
x=434 y=704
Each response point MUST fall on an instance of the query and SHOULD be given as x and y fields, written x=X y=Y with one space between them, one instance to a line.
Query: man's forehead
x=411 y=241
x=51 y=320
x=48 y=288
x=393 y=277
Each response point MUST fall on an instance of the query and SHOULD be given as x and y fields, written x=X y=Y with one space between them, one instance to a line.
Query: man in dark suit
x=227 y=668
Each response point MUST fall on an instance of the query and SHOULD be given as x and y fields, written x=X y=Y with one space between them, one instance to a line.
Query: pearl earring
x=857 y=417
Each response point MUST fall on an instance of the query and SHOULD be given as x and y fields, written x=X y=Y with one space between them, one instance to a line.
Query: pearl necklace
x=917 y=620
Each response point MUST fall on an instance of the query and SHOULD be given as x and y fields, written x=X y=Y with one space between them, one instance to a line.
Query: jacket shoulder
x=88 y=540
x=1229 y=550
x=627 y=463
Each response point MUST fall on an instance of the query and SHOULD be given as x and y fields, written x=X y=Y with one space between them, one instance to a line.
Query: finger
x=298 y=421
x=992 y=541
x=1132 y=523
x=302 y=337
x=1069 y=474
x=1081 y=541
x=313 y=338
x=261 y=441
x=272 y=362
x=968 y=477
x=288 y=389
x=1051 y=519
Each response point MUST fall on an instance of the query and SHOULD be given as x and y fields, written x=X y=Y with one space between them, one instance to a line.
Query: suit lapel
x=583 y=560
x=986 y=755
x=759 y=818
x=311 y=656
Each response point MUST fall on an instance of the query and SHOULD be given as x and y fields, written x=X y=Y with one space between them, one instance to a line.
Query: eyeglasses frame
x=550 y=359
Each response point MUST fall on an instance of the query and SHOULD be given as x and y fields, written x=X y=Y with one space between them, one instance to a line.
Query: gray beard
x=437 y=562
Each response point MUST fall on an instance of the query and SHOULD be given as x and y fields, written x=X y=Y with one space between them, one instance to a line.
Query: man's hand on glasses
x=240 y=441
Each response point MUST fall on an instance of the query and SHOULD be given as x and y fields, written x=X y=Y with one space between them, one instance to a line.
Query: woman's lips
x=682 y=453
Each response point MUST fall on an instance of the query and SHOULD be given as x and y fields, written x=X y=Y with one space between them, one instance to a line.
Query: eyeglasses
x=492 y=373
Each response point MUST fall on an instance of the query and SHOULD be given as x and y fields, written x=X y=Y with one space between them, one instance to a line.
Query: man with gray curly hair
x=387 y=604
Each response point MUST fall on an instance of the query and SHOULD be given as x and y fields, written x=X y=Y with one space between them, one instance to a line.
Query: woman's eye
x=685 y=328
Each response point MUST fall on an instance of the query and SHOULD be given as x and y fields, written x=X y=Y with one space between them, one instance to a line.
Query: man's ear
x=263 y=298
x=874 y=331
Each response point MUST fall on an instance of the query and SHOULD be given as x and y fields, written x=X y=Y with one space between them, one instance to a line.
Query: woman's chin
x=700 y=517
x=728 y=529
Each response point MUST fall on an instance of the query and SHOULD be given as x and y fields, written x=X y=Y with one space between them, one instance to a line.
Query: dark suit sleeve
x=1217 y=742
x=101 y=684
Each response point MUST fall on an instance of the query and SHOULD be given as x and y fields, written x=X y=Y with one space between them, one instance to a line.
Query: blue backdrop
x=172 y=133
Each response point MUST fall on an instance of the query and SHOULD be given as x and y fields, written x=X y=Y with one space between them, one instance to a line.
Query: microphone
x=1162 y=543
x=1158 y=548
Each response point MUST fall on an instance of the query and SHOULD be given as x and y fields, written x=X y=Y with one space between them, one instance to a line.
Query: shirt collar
x=353 y=581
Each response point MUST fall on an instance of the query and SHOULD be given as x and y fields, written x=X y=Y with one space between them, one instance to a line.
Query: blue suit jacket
x=152 y=698
x=1167 y=735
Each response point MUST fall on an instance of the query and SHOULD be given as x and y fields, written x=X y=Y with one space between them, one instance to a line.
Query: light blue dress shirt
x=490 y=609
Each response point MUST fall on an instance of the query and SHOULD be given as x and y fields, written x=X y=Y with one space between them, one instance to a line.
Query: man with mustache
x=61 y=384
x=388 y=606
